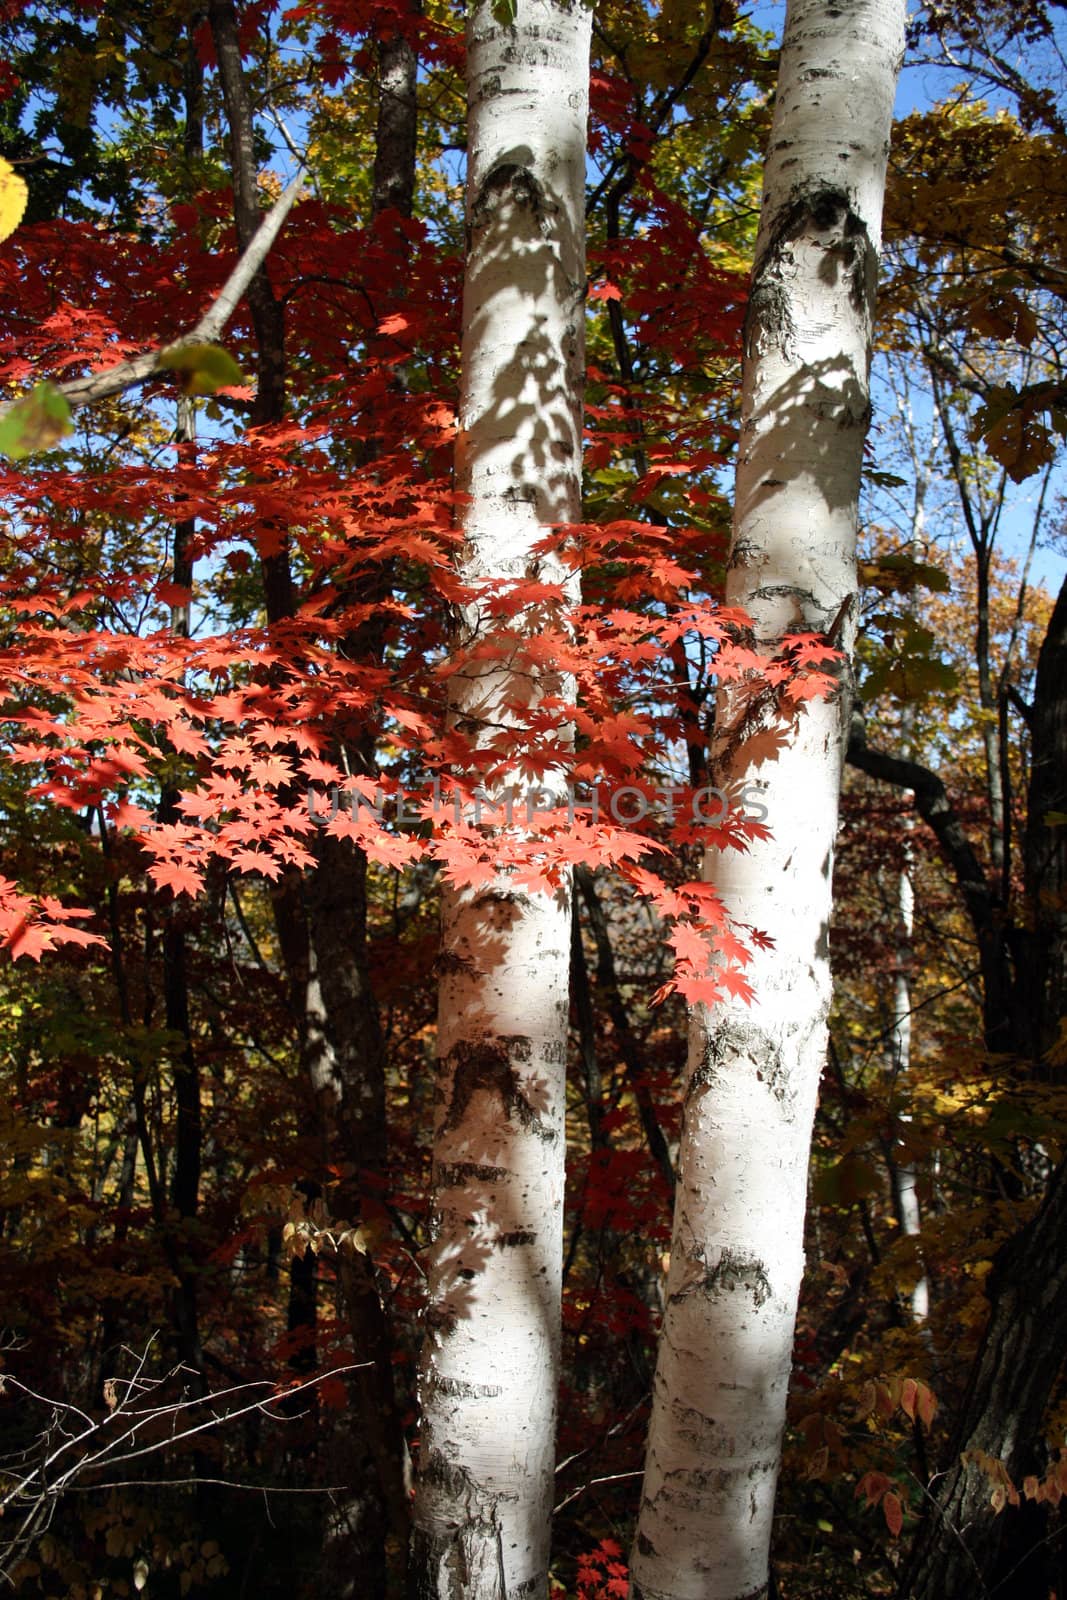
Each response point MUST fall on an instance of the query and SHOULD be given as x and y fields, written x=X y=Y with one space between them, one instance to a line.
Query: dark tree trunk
x=626 y=1043
x=321 y=919
x=393 y=179
x=963 y=1550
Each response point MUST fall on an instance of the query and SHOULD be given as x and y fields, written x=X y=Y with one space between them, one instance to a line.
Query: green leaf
x=203 y=367
x=35 y=423
x=908 y=678
x=505 y=12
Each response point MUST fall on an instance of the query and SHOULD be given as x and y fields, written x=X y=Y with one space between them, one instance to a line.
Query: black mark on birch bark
x=744 y=1043
x=731 y=1272
x=488 y=1065
x=825 y=210
x=463 y=1391
x=457 y=1174
x=524 y=188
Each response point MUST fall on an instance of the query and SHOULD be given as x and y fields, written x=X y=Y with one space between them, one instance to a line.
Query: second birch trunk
x=753 y=1072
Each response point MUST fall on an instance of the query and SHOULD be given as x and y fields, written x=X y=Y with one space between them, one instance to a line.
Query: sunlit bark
x=753 y=1074
x=490 y=1366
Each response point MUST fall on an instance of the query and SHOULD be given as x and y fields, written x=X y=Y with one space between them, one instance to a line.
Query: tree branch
x=100 y=385
x=936 y=809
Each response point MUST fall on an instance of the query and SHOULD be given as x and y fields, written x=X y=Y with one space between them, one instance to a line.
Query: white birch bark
x=905 y=1177
x=753 y=1073
x=490 y=1365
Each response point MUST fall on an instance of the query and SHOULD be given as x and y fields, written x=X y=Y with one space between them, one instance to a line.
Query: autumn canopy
x=533 y=800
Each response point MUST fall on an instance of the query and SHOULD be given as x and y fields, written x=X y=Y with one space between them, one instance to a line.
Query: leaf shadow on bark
x=523 y=437
x=808 y=415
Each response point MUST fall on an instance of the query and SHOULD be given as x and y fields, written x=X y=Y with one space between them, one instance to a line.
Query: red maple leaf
x=29 y=939
x=270 y=769
x=185 y=738
x=176 y=876
x=737 y=984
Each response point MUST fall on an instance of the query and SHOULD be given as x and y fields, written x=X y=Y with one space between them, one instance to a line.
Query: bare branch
x=34 y=1480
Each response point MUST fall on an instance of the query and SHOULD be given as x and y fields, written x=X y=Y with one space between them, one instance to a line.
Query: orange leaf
x=872 y=1486
x=29 y=939
x=894 y=1513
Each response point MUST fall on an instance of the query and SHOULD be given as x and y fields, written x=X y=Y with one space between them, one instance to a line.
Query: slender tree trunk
x=737 y=1251
x=393 y=177
x=346 y=1043
x=903 y=1175
x=489 y=1373
x=623 y=1038
x=981 y=525
x=321 y=920
x=188 y=1138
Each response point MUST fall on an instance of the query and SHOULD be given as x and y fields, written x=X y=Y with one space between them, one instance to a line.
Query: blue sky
x=921 y=86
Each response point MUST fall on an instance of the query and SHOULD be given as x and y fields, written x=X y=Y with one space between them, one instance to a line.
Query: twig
x=613 y=1477
x=41 y=1485
x=220 y=1483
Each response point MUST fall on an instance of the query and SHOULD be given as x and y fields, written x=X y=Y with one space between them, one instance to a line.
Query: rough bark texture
x=393 y=178
x=489 y=1372
x=964 y=1551
x=753 y=1074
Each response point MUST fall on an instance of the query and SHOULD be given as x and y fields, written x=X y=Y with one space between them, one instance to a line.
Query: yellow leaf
x=203 y=368
x=36 y=422
x=13 y=197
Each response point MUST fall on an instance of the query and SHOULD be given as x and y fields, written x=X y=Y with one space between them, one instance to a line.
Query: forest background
x=236 y=584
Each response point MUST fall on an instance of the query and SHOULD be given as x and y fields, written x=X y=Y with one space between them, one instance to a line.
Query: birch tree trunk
x=753 y=1072
x=903 y=1174
x=489 y=1373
